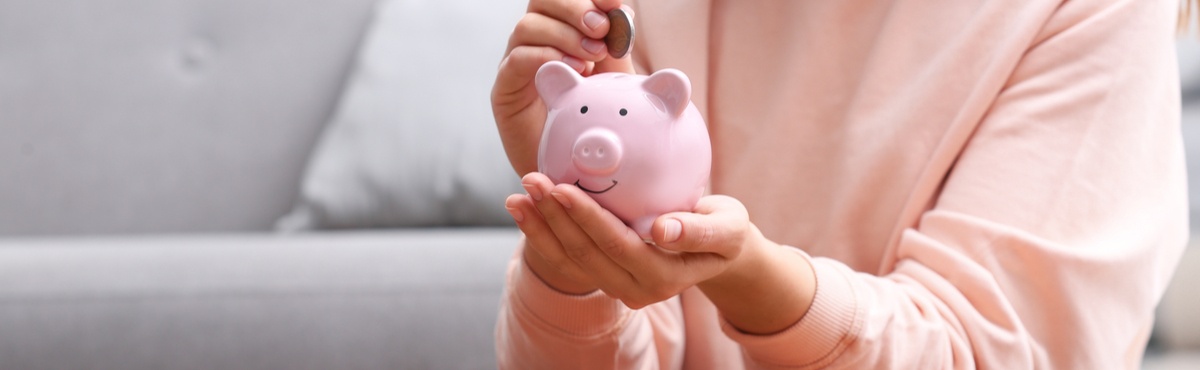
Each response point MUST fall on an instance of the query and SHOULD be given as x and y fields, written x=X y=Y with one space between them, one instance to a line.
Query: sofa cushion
x=413 y=142
x=1188 y=54
x=1178 y=322
x=337 y=300
x=164 y=116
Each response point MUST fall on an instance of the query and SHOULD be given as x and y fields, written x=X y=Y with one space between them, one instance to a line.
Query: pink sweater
x=991 y=184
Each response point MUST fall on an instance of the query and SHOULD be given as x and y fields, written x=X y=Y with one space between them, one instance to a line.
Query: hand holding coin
x=620 y=33
x=584 y=34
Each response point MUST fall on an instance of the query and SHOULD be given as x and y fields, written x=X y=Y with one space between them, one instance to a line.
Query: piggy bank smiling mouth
x=614 y=184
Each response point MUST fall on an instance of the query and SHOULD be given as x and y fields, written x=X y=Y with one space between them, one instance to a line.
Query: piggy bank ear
x=553 y=79
x=671 y=87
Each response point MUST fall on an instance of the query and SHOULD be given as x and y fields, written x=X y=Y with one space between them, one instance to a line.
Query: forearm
x=540 y=327
x=768 y=289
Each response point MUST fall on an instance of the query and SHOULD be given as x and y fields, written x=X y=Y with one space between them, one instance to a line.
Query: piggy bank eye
x=583 y=110
x=623 y=112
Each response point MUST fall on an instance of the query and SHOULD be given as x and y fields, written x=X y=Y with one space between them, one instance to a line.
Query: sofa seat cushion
x=354 y=300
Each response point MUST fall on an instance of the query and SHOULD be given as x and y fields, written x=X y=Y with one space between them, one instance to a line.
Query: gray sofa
x=340 y=300
x=148 y=148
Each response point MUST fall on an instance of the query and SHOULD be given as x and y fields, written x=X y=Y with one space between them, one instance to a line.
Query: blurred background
x=269 y=184
x=1176 y=343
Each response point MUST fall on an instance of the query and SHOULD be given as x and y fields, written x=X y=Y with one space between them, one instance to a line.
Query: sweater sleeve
x=541 y=328
x=1051 y=237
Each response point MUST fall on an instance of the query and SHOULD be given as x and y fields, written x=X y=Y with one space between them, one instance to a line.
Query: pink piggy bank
x=636 y=144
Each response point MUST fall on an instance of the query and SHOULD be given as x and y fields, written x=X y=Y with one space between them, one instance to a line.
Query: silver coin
x=620 y=33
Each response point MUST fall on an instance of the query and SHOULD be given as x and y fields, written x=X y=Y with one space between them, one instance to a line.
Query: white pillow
x=413 y=142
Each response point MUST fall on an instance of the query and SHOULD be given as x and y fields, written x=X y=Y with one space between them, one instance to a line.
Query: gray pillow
x=1188 y=52
x=413 y=142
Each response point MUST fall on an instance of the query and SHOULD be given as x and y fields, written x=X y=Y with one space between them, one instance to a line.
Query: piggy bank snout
x=597 y=152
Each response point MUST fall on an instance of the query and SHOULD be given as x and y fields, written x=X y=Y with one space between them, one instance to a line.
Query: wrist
x=550 y=275
x=766 y=289
x=747 y=264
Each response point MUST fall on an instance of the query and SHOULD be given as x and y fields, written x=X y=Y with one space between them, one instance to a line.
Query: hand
x=568 y=30
x=576 y=246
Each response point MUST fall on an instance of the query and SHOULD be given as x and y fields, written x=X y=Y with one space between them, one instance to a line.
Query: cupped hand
x=576 y=246
x=568 y=30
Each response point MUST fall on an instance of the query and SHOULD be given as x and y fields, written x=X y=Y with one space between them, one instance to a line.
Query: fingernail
x=574 y=62
x=593 y=19
x=671 y=230
x=516 y=214
x=533 y=191
x=562 y=199
x=592 y=46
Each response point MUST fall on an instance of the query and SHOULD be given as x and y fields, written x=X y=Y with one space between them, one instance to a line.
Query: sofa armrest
x=353 y=300
x=1178 y=325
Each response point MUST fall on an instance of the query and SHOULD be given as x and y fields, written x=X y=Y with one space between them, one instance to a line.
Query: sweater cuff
x=819 y=336
x=585 y=315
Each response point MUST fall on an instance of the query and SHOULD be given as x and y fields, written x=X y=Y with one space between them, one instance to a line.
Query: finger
x=577 y=245
x=589 y=17
x=718 y=225
x=606 y=231
x=657 y=273
x=516 y=105
x=520 y=66
x=535 y=29
x=540 y=238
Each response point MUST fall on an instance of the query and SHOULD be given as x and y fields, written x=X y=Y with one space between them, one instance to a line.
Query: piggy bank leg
x=642 y=227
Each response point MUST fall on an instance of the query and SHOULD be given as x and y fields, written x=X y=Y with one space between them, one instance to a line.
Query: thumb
x=718 y=225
